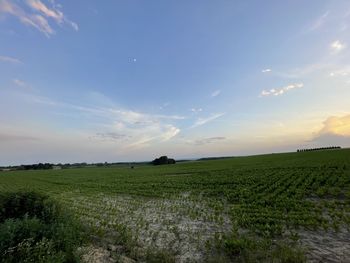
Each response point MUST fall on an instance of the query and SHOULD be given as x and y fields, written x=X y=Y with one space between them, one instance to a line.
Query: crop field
x=290 y=207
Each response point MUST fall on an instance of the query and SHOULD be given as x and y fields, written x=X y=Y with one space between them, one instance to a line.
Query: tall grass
x=33 y=228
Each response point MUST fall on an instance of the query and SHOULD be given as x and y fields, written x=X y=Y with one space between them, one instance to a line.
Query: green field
x=286 y=207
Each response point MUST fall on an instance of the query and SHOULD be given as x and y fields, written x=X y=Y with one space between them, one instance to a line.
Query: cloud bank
x=335 y=131
x=337 y=125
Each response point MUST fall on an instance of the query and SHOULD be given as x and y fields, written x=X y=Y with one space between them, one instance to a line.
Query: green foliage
x=33 y=228
x=162 y=256
x=163 y=160
x=288 y=254
x=238 y=246
x=27 y=204
x=255 y=249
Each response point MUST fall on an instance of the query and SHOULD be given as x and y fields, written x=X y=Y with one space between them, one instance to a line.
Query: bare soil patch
x=327 y=246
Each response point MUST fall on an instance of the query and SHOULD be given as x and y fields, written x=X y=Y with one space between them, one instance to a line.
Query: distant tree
x=163 y=160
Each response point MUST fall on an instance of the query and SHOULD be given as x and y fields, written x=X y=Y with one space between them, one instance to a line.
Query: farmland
x=276 y=207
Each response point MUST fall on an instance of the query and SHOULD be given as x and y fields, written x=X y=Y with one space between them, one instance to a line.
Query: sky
x=130 y=80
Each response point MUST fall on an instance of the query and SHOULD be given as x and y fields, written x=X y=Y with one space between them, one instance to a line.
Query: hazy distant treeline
x=39 y=166
x=319 y=149
x=46 y=166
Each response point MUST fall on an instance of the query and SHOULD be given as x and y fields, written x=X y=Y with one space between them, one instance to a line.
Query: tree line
x=47 y=166
x=39 y=166
x=319 y=149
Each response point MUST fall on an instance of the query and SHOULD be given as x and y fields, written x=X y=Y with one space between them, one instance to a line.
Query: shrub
x=33 y=228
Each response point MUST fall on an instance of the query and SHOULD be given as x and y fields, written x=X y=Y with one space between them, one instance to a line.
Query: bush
x=34 y=228
x=163 y=160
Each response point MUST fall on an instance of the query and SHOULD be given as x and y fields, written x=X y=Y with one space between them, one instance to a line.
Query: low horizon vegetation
x=161 y=160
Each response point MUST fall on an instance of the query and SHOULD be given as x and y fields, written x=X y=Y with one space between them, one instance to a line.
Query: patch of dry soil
x=93 y=254
x=327 y=246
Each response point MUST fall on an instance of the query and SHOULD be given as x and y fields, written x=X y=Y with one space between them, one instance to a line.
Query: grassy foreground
x=33 y=228
x=258 y=208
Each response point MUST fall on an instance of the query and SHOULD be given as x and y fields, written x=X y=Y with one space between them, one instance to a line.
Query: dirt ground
x=327 y=246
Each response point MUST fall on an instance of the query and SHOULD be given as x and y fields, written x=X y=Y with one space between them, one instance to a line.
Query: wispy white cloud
x=20 y=83
x=196 y=110
x=34 y=20
x=266 y=70
x=337 y=46
x=10 y=60
x=335 y=20
x=109 y=136
x=209 y=140
x=202 y=121
x=124 y=127
x=144 y=128
x=37 y=18
x=153 y=134
x=42 y=8
x=54 y=13
x=344 y=72
x=169 y=117
x=280 y=91
x=216 y=93
x=169 y=131
x=166 y=104
x=319 y=22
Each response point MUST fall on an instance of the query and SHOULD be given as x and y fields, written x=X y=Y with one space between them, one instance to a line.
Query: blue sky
x=130 y=80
